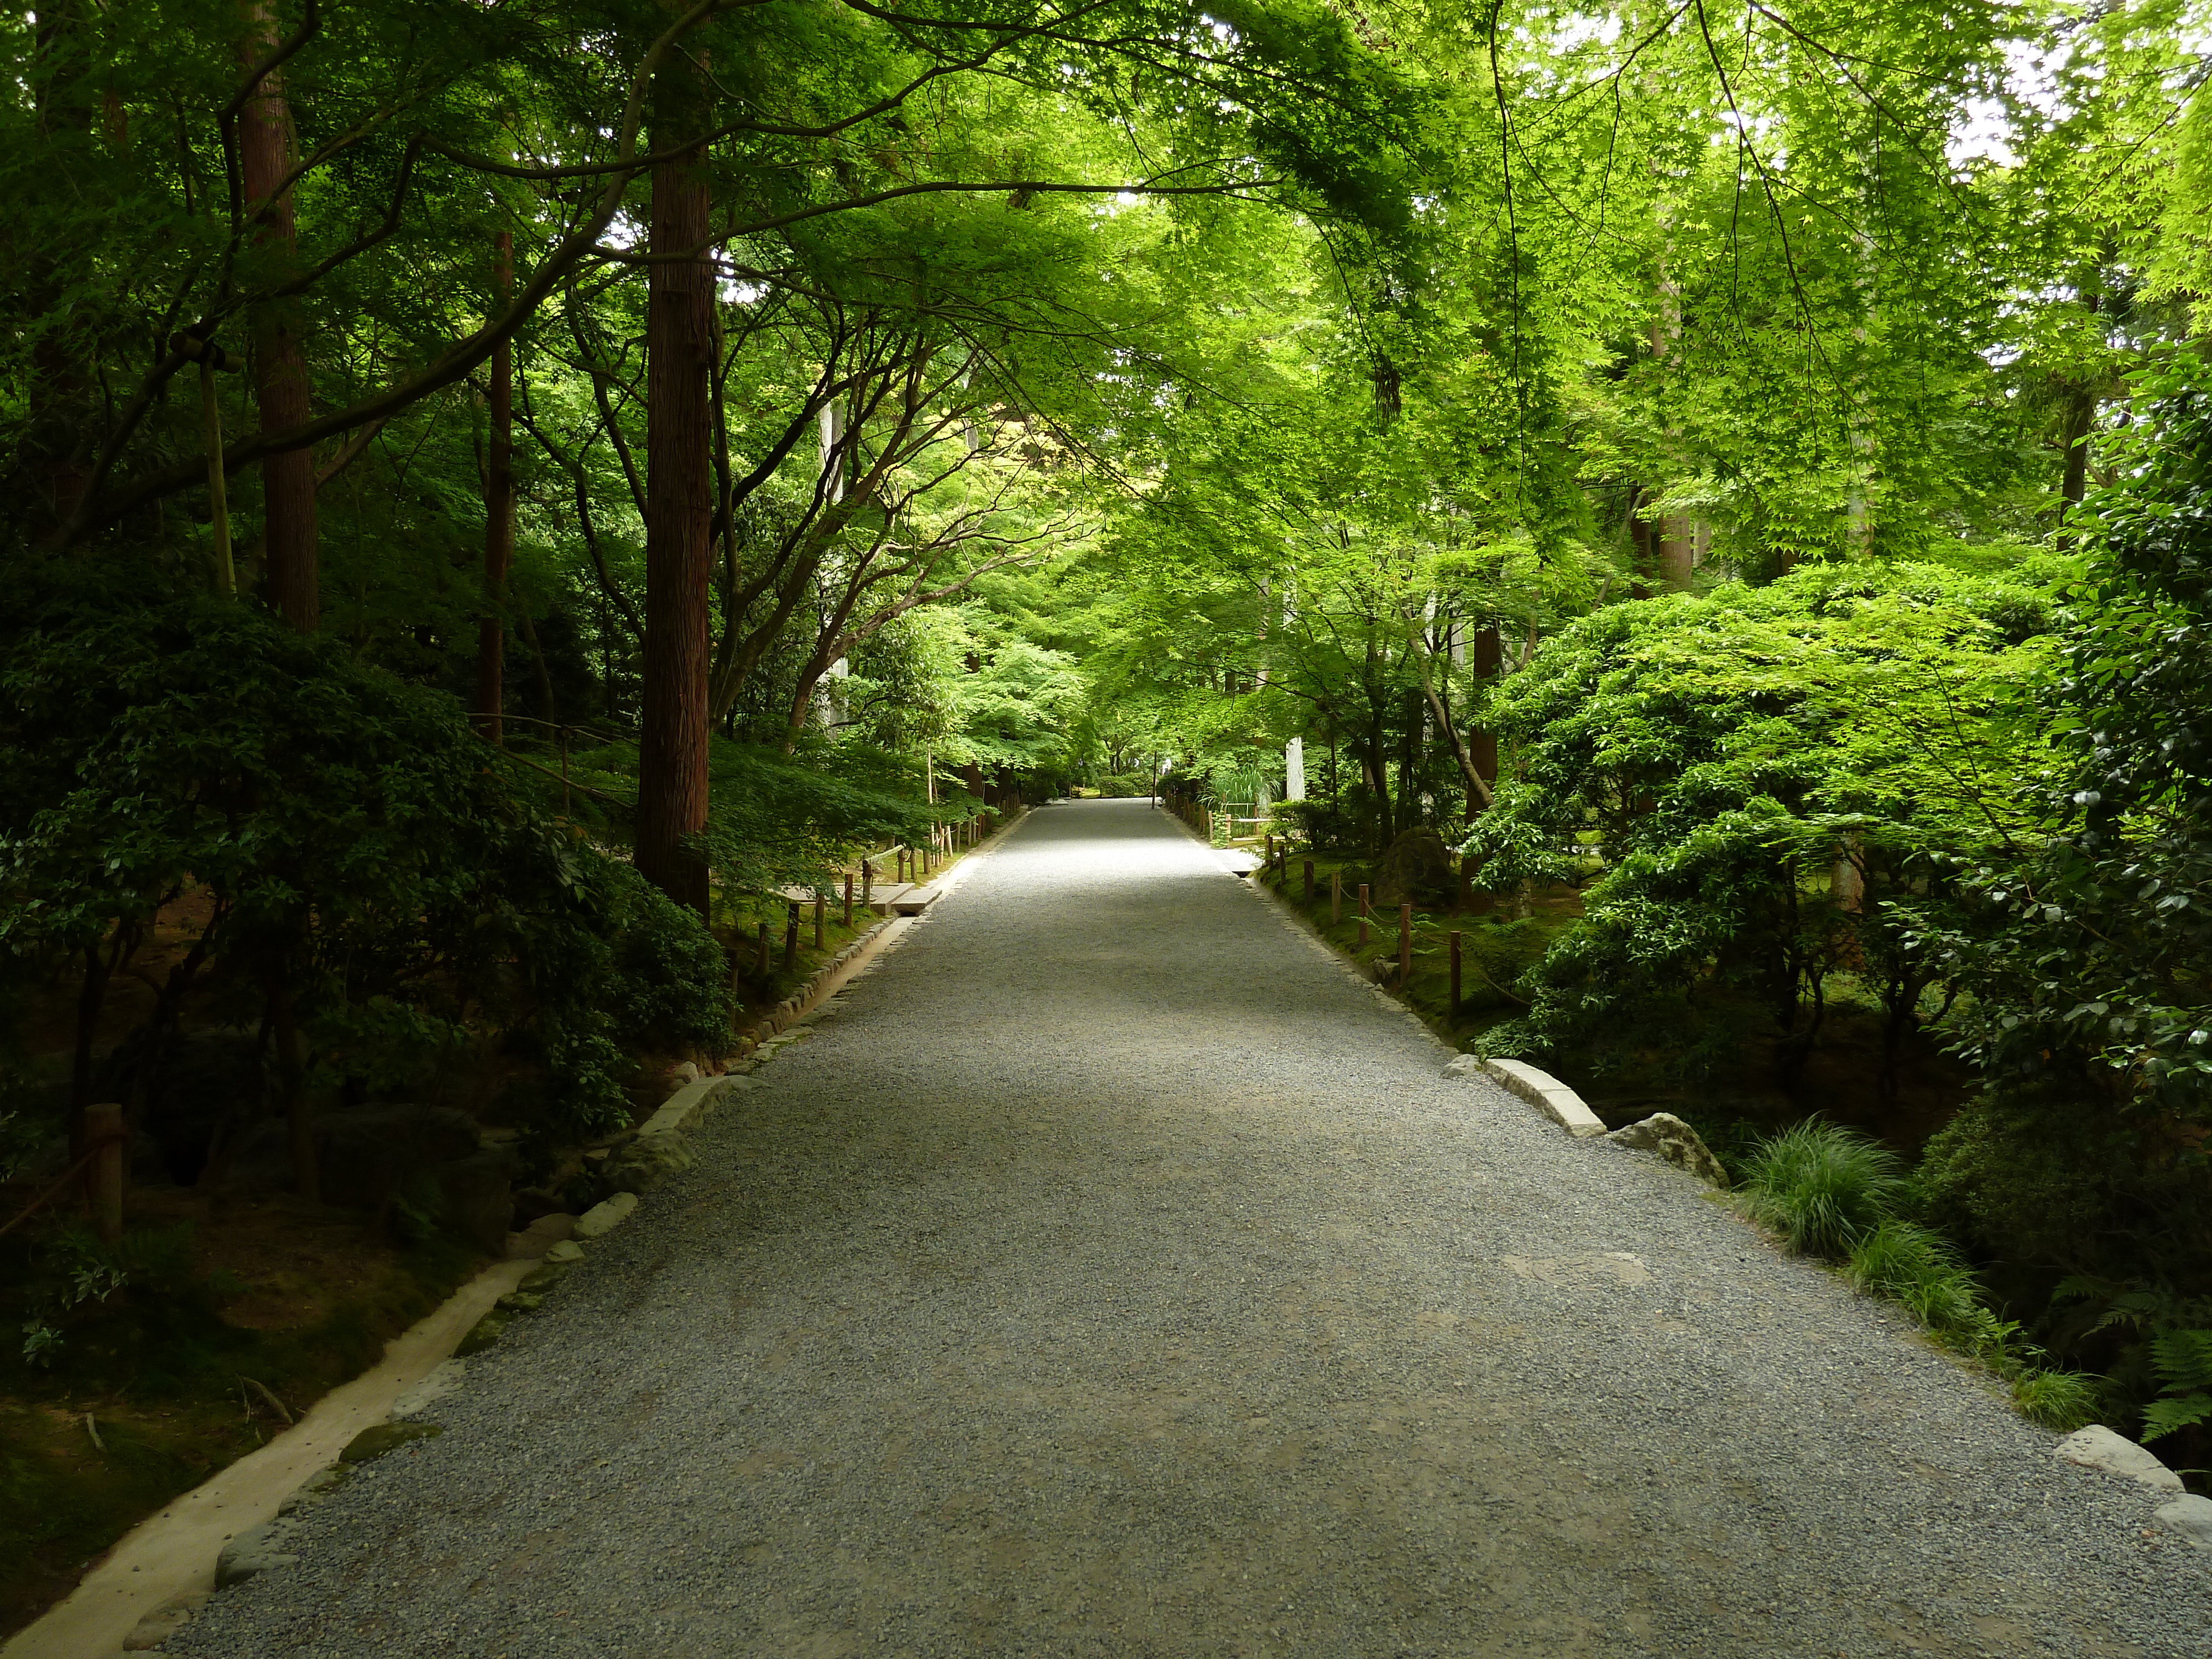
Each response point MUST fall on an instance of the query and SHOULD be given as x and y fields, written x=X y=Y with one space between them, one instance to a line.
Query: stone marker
x=1668 y=1138
x=2097 y=1448
x=1417 y=867
x=566 y=1252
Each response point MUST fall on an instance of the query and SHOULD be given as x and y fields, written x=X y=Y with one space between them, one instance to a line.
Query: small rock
x=378 y=1438
x=1465 y=1067
x=543 y=1277
x=250 y=1554
x=519 y=1302
x=2190 y=1516
x=683 y=1071
x=436 y=1383
x=1674 y=1141
x=157 y=1626
x=566 y=1254
x=540 y=1235
x=603 y=1219
x=481 y=1334
x=2097 y=1448
x=316 y=1487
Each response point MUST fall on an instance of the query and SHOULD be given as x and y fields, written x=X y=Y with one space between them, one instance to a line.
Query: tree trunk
x=55 y=436
x=2081 y=414
x=280 y=362
x=499 y=514
x=679 y=507
x=292 y=1083
x=1489 y=657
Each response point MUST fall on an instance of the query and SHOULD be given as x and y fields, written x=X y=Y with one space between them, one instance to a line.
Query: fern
x=2184 y=1360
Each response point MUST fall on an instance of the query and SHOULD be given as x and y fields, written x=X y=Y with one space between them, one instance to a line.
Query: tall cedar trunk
x=56 y=391
x=679 y=503
x=2081 y=414
x=292 y=1097
x=280 y=362
x=1488 y=656
x=1644 y=557
x=1673 y=540
x=499 y=513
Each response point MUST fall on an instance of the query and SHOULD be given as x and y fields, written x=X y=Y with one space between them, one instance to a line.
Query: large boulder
x=370 y=1152
x=648 y=1161
x=1419 y=869
x=475 y=1198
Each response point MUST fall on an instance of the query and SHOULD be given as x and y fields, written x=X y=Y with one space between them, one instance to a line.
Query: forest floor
x=1112 y=1274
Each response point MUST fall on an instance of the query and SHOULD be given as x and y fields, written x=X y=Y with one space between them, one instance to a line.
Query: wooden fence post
x=821 y=918
x=1362 y=915
x=1455 y=974
x=1335 y=897
x=867 y=882
x=1309 y=881
x=760 y=959
x=790 y=936
x=103 y=1130
x=1406 y=944
x=848 y=899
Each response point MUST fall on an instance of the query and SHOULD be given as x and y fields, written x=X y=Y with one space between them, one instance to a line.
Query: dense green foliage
x=1782 y=780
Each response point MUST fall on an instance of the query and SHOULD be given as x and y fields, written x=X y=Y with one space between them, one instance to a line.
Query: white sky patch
x=2030 y=77
x=626 y=230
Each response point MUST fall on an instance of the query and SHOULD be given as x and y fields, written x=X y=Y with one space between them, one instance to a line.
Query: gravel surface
x=1112 y=1274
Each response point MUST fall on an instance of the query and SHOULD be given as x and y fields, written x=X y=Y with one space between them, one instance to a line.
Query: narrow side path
x=1112 y=1275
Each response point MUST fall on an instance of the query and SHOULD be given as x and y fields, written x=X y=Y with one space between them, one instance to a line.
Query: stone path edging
x=171 y=1555
x=1540 y=1089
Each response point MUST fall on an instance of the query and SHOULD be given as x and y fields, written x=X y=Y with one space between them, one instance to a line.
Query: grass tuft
x=2061 y=1401
x=1822 y=1186
x=1921 y=1270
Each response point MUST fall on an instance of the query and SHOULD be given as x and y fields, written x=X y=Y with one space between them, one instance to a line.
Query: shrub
x=1822 y=1186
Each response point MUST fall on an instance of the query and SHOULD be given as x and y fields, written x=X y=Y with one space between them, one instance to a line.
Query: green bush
x=357 y=852
x=1822 y=1186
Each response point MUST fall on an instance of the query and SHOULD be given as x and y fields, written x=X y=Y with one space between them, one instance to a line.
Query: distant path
x=1115 y=1276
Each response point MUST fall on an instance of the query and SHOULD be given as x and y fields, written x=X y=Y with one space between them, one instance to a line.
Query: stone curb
x=1540 y=1089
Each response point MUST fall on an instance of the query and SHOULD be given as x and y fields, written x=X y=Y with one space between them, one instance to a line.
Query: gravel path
x=1112 y=1274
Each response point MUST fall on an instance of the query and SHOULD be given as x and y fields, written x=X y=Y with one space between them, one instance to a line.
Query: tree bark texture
x=280 y=358
x=499 y=514
x=679 y=508
x=1489 y=656
x=2081 y=414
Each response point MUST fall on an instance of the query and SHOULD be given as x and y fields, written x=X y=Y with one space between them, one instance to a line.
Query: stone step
x=914 y=900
